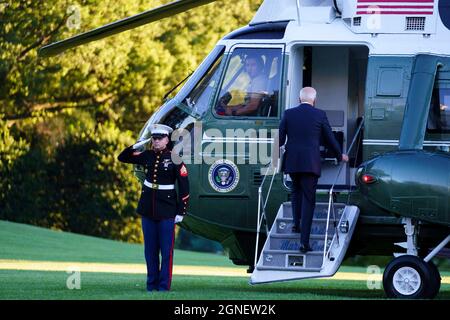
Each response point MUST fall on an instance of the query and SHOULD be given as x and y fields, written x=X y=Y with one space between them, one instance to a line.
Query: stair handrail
x=331 y=200
x=262 y=203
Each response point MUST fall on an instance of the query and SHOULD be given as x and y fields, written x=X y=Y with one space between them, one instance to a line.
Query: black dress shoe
x=304 y=249
x=295 y=229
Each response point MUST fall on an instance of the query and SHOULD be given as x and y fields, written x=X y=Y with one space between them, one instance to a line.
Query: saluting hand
x=141 y=143
x=178 y=218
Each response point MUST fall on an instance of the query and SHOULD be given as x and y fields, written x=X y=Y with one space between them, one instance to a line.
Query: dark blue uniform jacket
x=160 y=169
x=305 y=126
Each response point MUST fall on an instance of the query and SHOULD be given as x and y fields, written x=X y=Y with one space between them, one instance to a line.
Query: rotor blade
x=132 y=22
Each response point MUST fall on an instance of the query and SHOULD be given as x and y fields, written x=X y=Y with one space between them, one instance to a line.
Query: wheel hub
x=407 y=281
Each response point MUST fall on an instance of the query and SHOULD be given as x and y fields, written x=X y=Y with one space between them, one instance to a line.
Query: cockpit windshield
x=252 y=84
x=198 y=100
x=195 y=97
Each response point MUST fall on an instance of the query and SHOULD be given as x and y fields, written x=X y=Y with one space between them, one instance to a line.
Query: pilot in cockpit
x=255 y=91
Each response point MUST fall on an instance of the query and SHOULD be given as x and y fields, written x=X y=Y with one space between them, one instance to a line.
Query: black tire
x=419 y=278
x=435 y=281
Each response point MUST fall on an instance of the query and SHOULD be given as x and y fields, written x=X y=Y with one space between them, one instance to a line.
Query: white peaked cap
x=160 y=129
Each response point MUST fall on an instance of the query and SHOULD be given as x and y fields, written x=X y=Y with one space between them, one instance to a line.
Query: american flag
x=409 y=7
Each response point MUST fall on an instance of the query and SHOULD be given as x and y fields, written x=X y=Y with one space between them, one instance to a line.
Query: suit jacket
x=305 y=127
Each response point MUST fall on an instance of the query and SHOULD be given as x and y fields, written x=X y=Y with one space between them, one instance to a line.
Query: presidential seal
x=223 y=175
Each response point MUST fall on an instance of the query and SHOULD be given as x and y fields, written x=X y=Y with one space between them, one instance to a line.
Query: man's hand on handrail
x=344 y=157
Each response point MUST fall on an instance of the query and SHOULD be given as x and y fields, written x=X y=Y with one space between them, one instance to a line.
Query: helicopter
x=382 y=73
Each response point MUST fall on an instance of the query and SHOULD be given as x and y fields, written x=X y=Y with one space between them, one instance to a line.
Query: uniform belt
x=159 y=186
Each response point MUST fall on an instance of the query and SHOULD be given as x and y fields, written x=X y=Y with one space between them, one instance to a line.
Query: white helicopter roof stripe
x=425 y=7
x=400 y=27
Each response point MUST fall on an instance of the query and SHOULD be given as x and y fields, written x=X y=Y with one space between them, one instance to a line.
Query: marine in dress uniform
x=159 y=204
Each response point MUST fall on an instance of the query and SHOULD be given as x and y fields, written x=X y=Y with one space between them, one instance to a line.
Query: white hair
x=308 y=94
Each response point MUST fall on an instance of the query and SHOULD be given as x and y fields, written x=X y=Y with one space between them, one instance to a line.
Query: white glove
x=178 y=218
x=141 y=143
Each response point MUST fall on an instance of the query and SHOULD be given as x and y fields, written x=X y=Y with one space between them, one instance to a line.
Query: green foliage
x=122 y=77
x=11 y=149
x=81 y=187
x=96 y=193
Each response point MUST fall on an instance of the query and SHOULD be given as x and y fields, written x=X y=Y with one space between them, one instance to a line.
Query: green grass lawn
x=52 y=285
x=24 y=242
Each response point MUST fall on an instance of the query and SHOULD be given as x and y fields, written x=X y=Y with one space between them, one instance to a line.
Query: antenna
x=298 y=11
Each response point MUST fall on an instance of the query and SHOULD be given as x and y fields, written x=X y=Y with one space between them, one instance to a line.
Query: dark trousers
x=303 y=202
x=158 y=238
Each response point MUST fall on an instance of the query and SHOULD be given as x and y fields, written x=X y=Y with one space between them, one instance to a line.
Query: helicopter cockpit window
x=439 y=116
x=199 y=98
x=252 y=84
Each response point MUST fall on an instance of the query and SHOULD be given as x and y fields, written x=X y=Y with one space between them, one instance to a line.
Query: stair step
x=294 y=244
x=312 y=253
x=318 y=226
x=324 y=220
x=289 y=269
x=276 y=235
x=320 y=211
x=280 y=258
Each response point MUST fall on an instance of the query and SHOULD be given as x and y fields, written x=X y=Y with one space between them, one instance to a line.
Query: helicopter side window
x=251 y=85
x=199 y=98
x=439 y=116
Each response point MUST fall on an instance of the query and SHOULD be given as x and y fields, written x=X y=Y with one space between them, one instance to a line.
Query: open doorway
x=338 y=73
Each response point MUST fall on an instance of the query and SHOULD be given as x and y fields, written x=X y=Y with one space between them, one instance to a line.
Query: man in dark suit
x=305 y=127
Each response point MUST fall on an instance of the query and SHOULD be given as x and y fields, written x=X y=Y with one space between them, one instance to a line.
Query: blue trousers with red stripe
x=158 y=238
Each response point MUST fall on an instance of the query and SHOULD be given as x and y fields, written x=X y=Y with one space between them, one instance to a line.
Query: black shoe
x=295 y=229
x=305 y=249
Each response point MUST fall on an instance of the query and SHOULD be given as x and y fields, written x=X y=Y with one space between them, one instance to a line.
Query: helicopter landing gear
x=409 y=276
x=435 y=281
x=411 y=239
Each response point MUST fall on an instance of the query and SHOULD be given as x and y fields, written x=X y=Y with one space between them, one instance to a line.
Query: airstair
x=281 y=258
x=331 y=232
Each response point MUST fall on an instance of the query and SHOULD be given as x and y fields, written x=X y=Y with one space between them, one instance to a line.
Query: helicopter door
x=238 y=135
x=338 y=73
